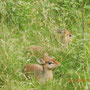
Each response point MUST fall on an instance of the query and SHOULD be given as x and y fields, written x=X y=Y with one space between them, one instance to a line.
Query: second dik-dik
x=43 y=72
x=66 y=36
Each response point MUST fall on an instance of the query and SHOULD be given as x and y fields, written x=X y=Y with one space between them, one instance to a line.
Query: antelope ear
x=40 y=61
x=60 y=31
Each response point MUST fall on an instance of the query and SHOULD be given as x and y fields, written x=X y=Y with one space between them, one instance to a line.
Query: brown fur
x=67 y=39
x=41 y=73
x=66 y=35
x=34 y=48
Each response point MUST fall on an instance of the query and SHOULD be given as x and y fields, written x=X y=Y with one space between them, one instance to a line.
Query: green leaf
x=87 y=7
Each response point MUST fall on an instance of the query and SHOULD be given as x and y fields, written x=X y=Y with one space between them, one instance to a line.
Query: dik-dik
x=43 y=72
x=66 y=36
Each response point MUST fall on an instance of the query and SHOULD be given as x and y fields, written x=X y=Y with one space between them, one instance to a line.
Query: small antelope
x=66 y=36
x=41 y=73
x=34 y=48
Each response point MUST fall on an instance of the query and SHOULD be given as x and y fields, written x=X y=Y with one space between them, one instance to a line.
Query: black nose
x=70 y=35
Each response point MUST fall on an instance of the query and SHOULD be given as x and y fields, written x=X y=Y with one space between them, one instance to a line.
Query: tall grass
x=33 y=22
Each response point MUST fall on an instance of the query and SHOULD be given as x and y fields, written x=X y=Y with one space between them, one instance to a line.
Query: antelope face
x=52 y=64
x=68 y=36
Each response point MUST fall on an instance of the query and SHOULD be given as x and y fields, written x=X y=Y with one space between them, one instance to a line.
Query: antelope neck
x=46 y=70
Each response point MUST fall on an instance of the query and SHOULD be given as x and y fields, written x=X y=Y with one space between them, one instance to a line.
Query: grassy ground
x=33 y=22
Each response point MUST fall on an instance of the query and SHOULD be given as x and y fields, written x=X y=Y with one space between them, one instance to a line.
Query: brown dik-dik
x=34 y=48
x=43 y=72
x=66 y=36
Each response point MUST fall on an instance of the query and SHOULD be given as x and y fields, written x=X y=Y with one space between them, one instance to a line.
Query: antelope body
x=41 y=73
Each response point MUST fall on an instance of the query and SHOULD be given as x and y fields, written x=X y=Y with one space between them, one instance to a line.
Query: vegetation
x=33 y=22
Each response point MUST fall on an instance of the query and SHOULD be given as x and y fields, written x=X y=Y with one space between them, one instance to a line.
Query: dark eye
x=70 y=35
x=50 y=63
